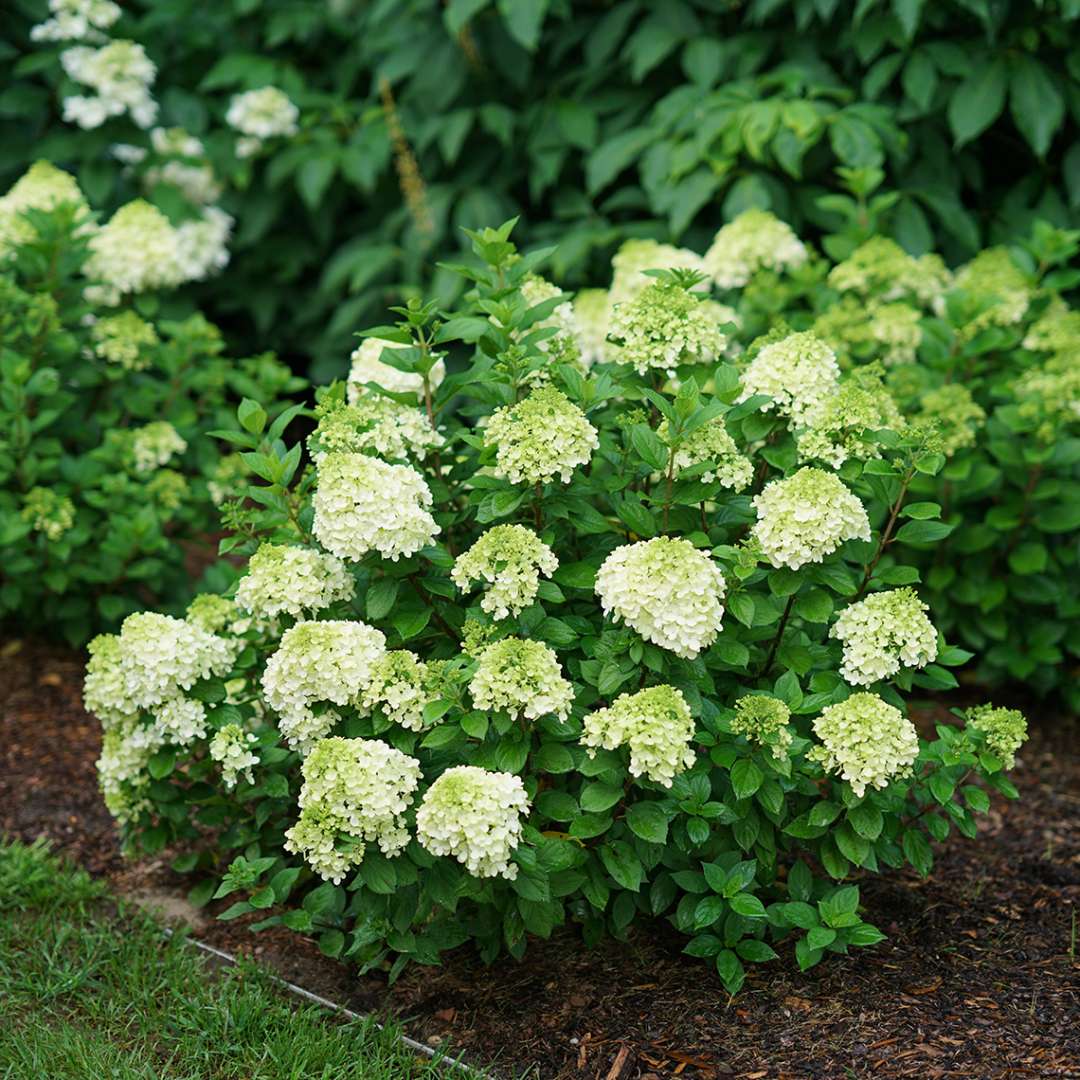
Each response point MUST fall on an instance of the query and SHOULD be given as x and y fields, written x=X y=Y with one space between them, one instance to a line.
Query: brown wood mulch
x=980 y=976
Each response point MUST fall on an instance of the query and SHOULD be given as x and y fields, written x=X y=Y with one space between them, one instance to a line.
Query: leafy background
x=592 y=120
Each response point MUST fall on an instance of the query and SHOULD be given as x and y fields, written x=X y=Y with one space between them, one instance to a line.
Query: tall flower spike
x=667 y=590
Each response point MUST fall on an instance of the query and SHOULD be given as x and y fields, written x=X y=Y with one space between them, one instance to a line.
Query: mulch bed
x=979 y=978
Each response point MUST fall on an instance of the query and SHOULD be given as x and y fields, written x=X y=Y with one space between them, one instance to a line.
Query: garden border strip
x=333 y=1006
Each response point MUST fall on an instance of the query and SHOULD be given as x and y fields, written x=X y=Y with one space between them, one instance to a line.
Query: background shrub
x=592 y=121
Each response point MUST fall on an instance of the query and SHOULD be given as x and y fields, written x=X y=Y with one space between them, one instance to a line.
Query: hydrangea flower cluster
x=542 y=436
x=840 y=426
x=261 y=114
x=374 y=422
x=316 y=663
x=1049 y=396
x=664 y=326
x=710 y=444
x=154 y=445
x=400 y=686
x=510 y=559
x=522 y=678
x=48 y=512
x=42 y=187
x=866 y=741
x=356 y=790
x=213 y=613
x=1004 y=730
x=124 y=340
x=1056 y=330
x=889 y=332
x=474 y=816
x=592 y=314
x=883 y=632
x=667 y=590
x=120 y=74
x=282 y=579
x=562 y=347
x=654 y=724
x=362 y=503
x=763 y=719
x=135 y=251
x=999 y=284
x=881 y=268
x=76 y=20
x=755 y=240
x=799 y=373
x=368 y=367
x=122 y=767
x=231 y=748
x=806 y=516
x=635 y=257
x=954 y=414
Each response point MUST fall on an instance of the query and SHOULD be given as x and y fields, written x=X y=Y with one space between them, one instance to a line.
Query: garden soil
x=980 y=976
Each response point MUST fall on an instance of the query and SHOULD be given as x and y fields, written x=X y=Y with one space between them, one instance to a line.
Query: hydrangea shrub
x=534 y=665
x=107 y=481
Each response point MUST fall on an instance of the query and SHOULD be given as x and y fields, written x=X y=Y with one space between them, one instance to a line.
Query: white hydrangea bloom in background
x=510 y=559
x=562 y=346
x=135 y=251
x=1056 y=330
x=378 y=423
x=317 y=663
x=474 y=816
x=521 y=678
x=882 y=269
x=995 y=279
x=362 y=503
x=154 y=445
x=292 y=580
x=120 y=73
x=368 y=367
x=799 y=373
x=543 y=436
x=76 y=20
x=654 y=724
x=202 y=246
x=124 y=339
x=212 y=613
x=631 y=261
x=806 y=516
x=231 y=749
x=882 y=633
x=955 y=414
x=400 y=687
x=42 y=187
x=711 y=444
x=667 y=590
x=261 y=114
x=763 y=719
x=356 y=791
x=48 y=512
x=866 y=741
x=664 y=326
x=755 y=240
x=592 y=313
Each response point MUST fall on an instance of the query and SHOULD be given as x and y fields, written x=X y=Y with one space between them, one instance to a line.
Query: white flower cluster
x=563 y=345
x=120 y=74
x=755 y=240
x=362 y=503
x=76 y=20
x=474 y=816
x=214 y=613
x=186 y=166
x=510 y=559
x=1003 y=730
x=806 y=516
x=521 y=678
x=400 y=686
x=1056 y=330
x=41 y=187
x=667 y=590
x=654 y=724
x=1000 y=286
x=869 y=329
x=356 y=791
x=368 y=367
x=1048 y=396
x=882 y=269
x=294 y=580
x=231 y=749
x=543 y=436
x=799 y=373
x=48 y=512
x=631 y=261
x=261 y=114
x=866 y=741
x=883 y=632
x=154 y=445
x=202 y=245
x=124 y=339
x=316 y=663
x=763 y=719
x=664 y=326
x=592 y=313
x=378 y=423
x=126 y=749
x=712 y=445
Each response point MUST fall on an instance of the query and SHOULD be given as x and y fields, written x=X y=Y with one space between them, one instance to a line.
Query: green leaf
x=523 y=19
x=978 y=101
x=554 y=758
x=729 y=968
x=923 y=532
x=750 y=907
x=1035 y=101
x=649 y=446
x=819 y=937
x=252 y=416
x=745 y=778
x=596 y=798
x=648 y=820
x=621 y=862
x=866 y=819
x=921 y=511
x=314 y=176
x=380 y=598
x=917 y=851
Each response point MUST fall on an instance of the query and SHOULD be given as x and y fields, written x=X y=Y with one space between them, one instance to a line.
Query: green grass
x=90 y=990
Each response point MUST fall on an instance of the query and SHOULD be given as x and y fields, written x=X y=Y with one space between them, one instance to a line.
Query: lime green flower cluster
x=763 y=719
x=48 y=512
x=1003 y=730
